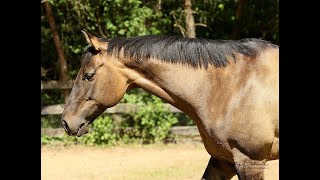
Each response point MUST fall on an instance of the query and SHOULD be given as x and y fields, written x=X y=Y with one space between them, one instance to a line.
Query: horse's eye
x=88 y=76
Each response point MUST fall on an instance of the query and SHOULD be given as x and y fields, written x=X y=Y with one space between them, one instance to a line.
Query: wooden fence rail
x=119 y=108
x=56 y=84
x=190 y=131
x=58 y=108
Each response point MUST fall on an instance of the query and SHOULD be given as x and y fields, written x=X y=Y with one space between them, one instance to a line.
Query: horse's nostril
x=65 y=126
x=81 y=126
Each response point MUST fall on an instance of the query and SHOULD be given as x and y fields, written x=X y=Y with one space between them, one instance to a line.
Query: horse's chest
x=215 y=146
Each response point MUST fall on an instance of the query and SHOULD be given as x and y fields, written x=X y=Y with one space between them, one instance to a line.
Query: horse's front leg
x=218 y=170
x=248 y=169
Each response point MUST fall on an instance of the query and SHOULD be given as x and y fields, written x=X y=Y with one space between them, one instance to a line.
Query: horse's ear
x=94 y=41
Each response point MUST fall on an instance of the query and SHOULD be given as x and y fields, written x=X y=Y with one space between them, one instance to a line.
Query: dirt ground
x=169 y=162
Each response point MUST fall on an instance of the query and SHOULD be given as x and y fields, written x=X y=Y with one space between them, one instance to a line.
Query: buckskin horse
x=230 y=88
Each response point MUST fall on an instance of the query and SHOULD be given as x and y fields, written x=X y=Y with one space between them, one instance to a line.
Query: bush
x=102 y=132
x=153 y=121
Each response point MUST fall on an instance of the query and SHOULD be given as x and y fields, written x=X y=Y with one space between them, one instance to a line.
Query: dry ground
x=167 y=162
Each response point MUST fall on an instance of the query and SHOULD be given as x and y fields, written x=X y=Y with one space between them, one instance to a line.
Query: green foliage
x=152 y=122
x=62 y=141
x=101 y=132
x=184 y=120
x=136 y=96
x=52 y=121
x=51 y=96
x=47 y=139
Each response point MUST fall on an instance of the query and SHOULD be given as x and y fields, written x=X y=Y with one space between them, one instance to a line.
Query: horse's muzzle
x=83 y=129
x=66 y=127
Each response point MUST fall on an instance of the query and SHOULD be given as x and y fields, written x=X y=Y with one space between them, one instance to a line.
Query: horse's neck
x=180 y=85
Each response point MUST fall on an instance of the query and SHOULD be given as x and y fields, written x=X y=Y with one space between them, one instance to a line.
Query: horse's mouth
x=83 y=129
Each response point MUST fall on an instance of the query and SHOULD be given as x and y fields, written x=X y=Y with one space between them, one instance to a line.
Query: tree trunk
x=236 y=28
x=63 y=73
x=190 y=26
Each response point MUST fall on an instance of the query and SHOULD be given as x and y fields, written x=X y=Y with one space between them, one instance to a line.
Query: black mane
x=197 y=52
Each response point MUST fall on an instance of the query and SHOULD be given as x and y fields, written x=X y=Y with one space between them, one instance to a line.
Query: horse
x=229 y=88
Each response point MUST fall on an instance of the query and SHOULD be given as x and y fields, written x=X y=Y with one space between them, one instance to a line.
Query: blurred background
x=140 y=118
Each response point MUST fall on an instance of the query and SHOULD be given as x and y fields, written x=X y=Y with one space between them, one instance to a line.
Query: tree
x=63 y=73
x=237 y=26
x=190 y=26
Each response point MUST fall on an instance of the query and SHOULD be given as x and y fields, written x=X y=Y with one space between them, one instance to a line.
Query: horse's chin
x=83 y=130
